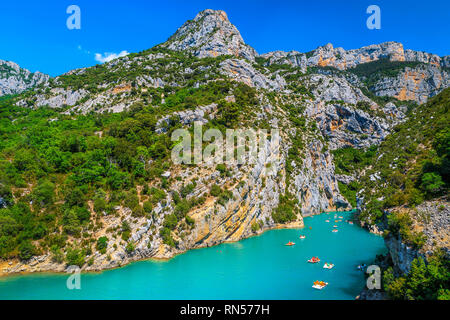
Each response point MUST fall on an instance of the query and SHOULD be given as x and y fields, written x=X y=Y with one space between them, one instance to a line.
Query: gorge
x=86 y=177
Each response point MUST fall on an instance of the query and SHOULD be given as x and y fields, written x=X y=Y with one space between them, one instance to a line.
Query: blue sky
x=34 y=33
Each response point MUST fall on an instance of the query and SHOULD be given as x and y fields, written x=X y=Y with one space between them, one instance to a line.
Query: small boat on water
x=350 y=222
x=319 y=285
x=334 y=230
x=290 y=243
x=314 y=260
x=327 y=220
x=335 y=226
x=302 y=237
x=340 y=217
x=328 y=265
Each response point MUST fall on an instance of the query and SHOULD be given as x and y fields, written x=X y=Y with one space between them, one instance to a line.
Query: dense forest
x=52 y=164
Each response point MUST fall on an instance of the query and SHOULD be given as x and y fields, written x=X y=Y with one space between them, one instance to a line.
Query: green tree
x=26 y=250
x=44 y=192
x=130 y=247
x=432 y=182
x=75 y=257
x=102 y=244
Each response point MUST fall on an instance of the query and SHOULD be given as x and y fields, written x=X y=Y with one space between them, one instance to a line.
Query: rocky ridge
x=336 y=110
x=418 y=84
x=210 y=34
x=14 y=79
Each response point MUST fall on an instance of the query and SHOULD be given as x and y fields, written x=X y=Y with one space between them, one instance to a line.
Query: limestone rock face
x=339 y=117
x=243 y=71
x=416 y=84
x=344 y=59
x=435 y=228
x=14 y=79
x=317 y=188
x=210 y=34
x=333 y=105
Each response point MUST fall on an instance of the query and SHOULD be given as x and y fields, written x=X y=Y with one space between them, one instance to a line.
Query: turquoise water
x=260 y=267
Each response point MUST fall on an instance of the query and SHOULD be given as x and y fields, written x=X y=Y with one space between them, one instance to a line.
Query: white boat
x=320 y=286
x=328 y=265
x=334 y=230
x=327 y=220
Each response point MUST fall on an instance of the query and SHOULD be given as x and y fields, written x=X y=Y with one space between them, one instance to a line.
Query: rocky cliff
x=329 y=56
x=14 y=79
x=317 y=109
x=432 y=218
x=417 y=84
x=210 y=34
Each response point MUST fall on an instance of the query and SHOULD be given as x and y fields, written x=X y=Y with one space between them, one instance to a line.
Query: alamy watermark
x=74 y=280
x=374 y=279
x=374 y=20
x=239 y=146
x=74 y=20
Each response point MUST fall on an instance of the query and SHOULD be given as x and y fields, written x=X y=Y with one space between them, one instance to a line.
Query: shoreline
x=4 y=264
x=290 y=225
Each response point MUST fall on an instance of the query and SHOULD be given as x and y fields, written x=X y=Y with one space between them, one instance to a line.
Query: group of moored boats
x=321 y=284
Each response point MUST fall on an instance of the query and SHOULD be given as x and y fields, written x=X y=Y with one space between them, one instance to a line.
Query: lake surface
x=260 y=267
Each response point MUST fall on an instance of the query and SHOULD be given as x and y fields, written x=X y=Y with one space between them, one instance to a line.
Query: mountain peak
x=14 y=79
x=210 y=34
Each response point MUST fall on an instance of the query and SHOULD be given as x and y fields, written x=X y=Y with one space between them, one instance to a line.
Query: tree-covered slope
x=86 y=175
x=412 y=164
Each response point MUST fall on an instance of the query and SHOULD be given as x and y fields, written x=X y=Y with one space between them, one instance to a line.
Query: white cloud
x=108 y=56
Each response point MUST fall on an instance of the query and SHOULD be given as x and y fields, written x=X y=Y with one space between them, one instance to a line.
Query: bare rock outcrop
x=14 y=79
x=210 y=34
